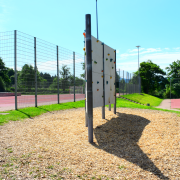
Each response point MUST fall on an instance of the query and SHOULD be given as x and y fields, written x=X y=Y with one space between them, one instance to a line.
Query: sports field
x=8 y=102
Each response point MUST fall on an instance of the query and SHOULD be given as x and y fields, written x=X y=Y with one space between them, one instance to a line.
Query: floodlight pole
x=89 y=78
x=138 y=70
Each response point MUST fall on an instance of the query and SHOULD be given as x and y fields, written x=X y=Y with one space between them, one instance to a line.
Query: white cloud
x=162 y=57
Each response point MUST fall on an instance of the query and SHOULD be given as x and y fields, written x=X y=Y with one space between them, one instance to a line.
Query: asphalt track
x=8 y=102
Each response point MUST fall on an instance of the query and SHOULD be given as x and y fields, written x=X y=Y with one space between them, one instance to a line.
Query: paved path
x=166 y=104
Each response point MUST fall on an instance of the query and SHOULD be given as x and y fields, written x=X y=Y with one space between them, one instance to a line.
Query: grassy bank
x=144 y=99
x=35 y=111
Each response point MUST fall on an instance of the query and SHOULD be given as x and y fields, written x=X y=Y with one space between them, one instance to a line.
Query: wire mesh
x=126 y=83
x=79 y=77
x=46 y=73
x=7 y=99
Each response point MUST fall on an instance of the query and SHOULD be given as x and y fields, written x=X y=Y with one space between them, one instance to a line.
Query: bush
x=2 y=85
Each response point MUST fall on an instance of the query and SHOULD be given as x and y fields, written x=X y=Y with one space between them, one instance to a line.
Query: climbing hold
x=114 y=51
x=95 y=62
x=84 y=48
x=112 y=67
x=108 y=54
x=102 y=43
x=97 y=82
x=106 y=59
x=101 y=70
x=102 y=96
x=111 y=60
x=97 y=89
x=84 y=34
x=85 y=98
x=110 y=77
x=114 y=83
x=97 y=40
x=92 y=81
x=102 y=76
x=114 y=62
x=85 y=53
x=106 y=82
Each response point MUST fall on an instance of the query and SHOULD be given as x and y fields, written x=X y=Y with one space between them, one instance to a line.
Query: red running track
x=175 y=103
x=29 y=100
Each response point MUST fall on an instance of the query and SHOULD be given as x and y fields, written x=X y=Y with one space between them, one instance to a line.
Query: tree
x=174 y=69
x=65 y=77
x=26 y=78
x=5 y=80
x=152 y=77
x=174 y=76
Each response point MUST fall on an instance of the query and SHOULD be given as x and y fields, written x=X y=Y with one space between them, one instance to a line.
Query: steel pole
x=58 y=73
x=115 y=85
x=74 y=75
x=119 y=82
x=15 y=67
x=103 y=107
x=35 y=67
x=89 y=78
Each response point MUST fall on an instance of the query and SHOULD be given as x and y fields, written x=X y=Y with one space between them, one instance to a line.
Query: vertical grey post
x=57 y=73
x=119 y=81
x=126 y=83
x=35 y=67
x=123 y=82
x=15 y=67
x=86 y=119
x=89 y=78
x=103 y=107
x=115 y=85
x=170 y=88
x=74 y=74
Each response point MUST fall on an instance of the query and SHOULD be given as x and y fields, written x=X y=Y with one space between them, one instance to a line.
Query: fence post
x=15 y=66
x=119 y=81
x=74 y=75
x=35 y=67
x=115 y=85
x=103 y=107
x=123 y=82
x=57 y=72
x=89 y=79
x=126 y=83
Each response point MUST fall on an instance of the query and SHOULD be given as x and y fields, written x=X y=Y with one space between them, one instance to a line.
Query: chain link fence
x=34 y=72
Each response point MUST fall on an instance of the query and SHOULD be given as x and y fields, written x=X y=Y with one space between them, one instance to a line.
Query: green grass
x=144 y=99
x=31 y=112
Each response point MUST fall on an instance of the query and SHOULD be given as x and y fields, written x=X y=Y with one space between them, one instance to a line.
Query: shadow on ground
x=120 y=135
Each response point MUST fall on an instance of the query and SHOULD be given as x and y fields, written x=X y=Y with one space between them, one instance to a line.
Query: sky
x=152 y=24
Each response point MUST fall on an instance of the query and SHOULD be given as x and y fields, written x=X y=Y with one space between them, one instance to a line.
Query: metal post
x=119 y=81
x=103 y=107
x=126 y=83
x=15 y=67
x=89 y=78
x=58 y=73
x=74 y=75
x=115 y=86
x=123 y=82
x=170 y=88
x=35 y=67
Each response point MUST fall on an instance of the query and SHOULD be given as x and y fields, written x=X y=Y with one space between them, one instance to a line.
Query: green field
x=29 y=112
x=144 y=99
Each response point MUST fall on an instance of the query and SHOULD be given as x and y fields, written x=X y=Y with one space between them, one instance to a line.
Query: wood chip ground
x=133 y=144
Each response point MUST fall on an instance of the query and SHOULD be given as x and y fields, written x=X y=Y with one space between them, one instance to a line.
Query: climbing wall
x=97 y=73
x=109 y=71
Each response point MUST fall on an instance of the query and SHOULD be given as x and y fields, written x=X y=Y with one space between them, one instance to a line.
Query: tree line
x=154 y=80
x=46 y=83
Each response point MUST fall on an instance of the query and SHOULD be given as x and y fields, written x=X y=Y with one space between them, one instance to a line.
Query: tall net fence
x=42 y=73
x=127 y=83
